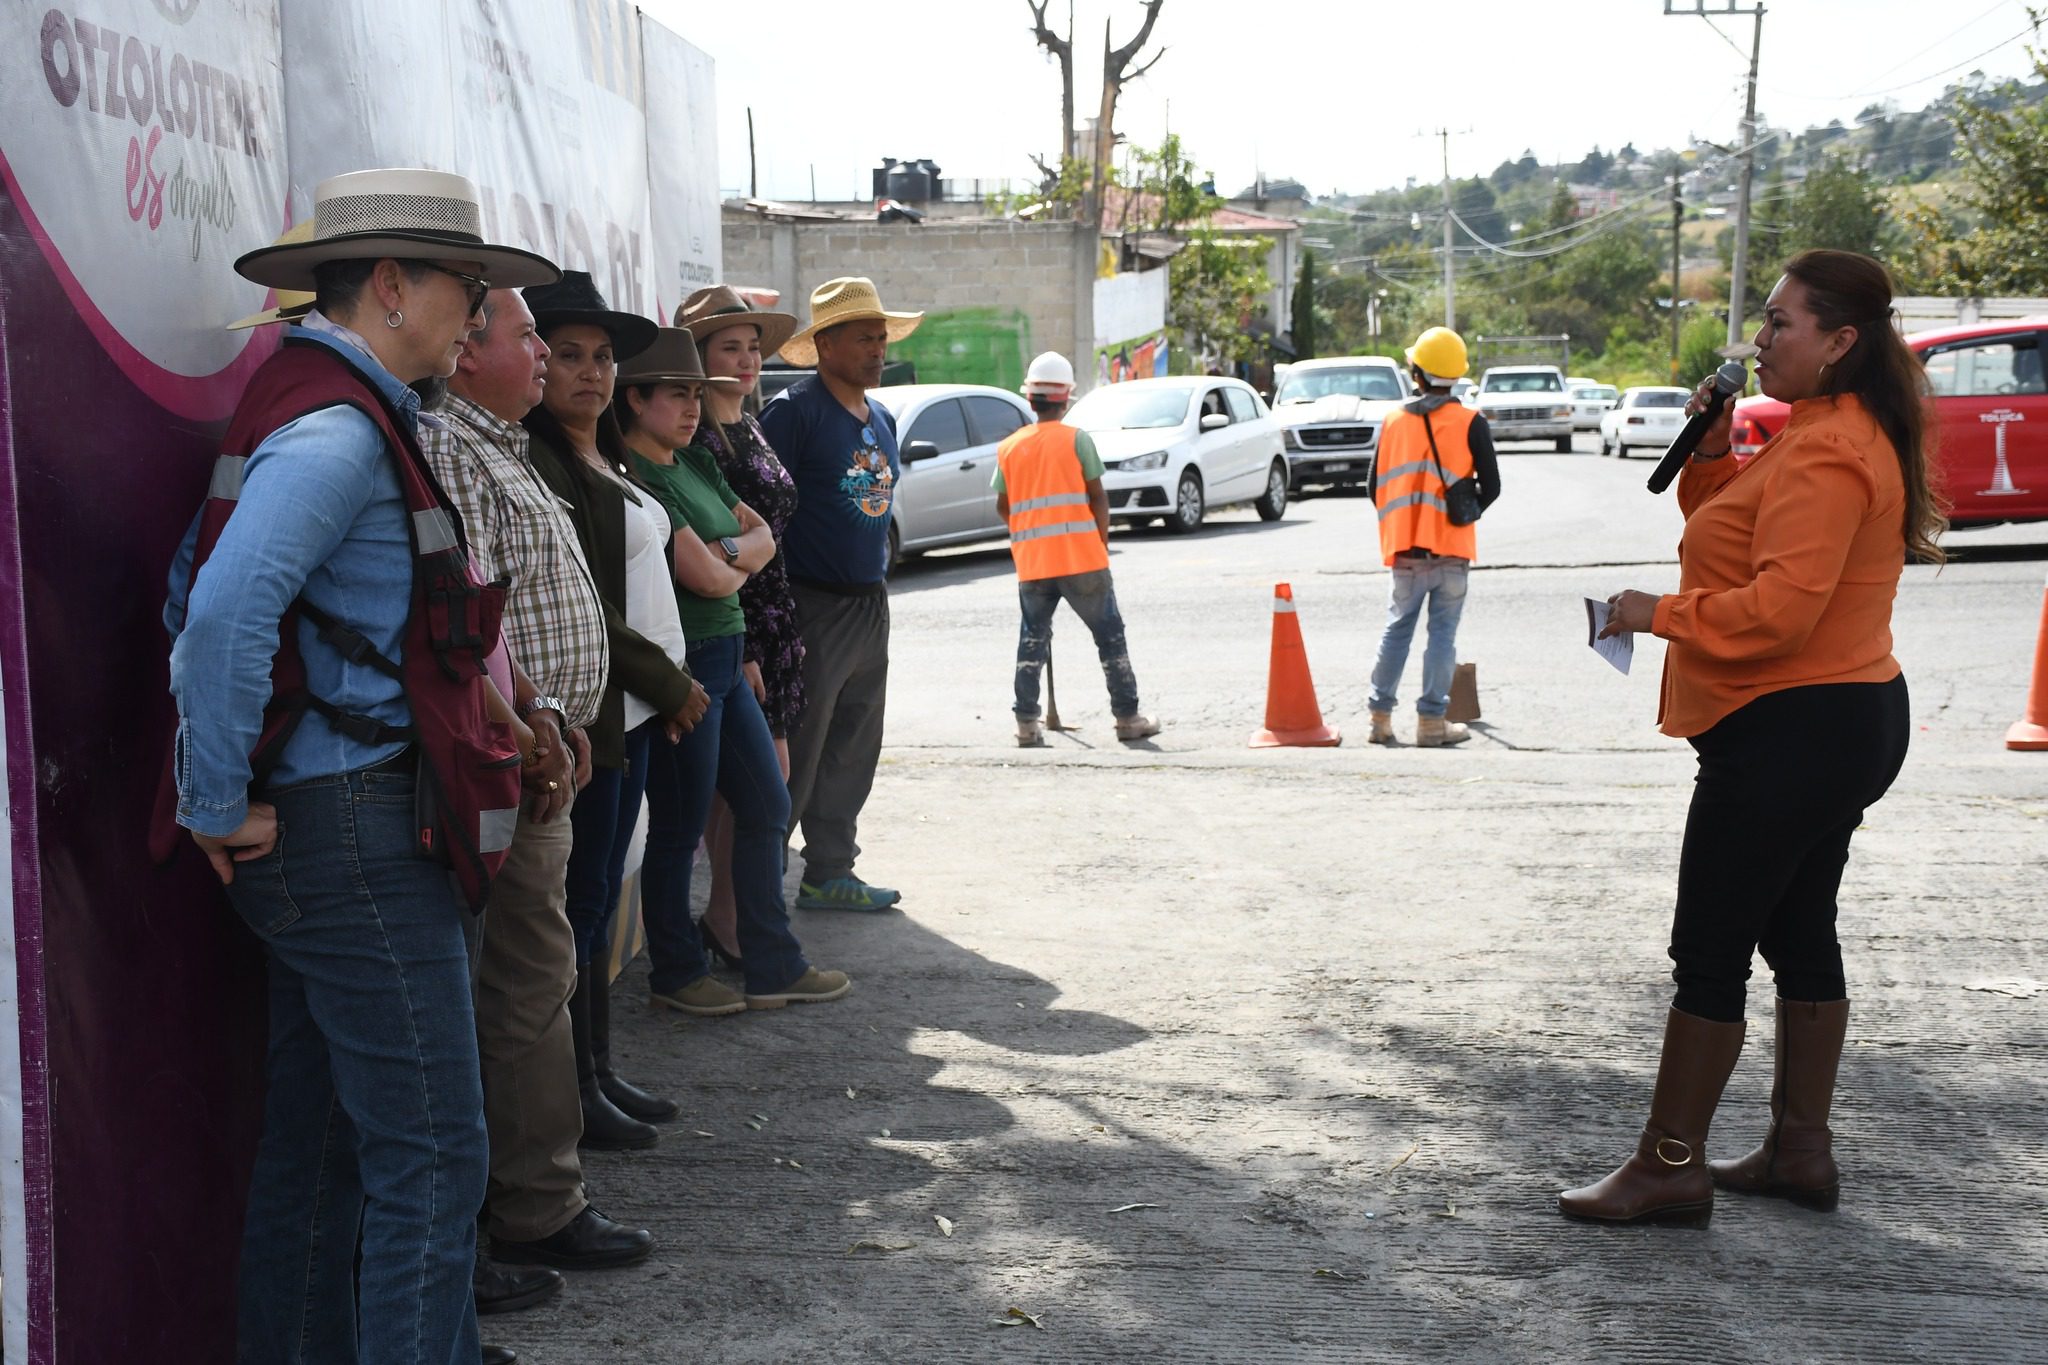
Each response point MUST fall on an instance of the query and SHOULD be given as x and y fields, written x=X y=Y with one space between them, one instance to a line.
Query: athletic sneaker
x=813 y=987
x=705 y=997
x=844 y=893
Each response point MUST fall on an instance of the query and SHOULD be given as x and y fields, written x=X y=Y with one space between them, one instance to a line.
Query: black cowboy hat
x=575 y=298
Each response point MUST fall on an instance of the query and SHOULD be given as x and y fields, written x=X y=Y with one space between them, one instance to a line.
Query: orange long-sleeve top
x=1787 y=567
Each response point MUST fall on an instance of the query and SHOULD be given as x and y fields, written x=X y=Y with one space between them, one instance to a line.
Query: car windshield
x=1364 y=381
x=1118 y=407
x=1592 y=391
x=1522 y=383
x=1662 y=398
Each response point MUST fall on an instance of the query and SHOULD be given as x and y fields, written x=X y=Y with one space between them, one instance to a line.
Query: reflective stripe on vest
x=1042 y=479
x=227 y=478
x=1407 y=491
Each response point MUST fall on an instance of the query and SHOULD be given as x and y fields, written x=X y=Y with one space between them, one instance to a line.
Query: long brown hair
x=1846 y=289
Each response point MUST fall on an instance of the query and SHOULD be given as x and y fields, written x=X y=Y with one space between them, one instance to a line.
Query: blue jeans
x=730 y=752
x=1440 y=583
x=373 y=1121
x=1093 y=598
x=601 y=822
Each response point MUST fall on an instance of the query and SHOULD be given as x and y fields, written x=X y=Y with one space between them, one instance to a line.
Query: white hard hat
x=1049 y=371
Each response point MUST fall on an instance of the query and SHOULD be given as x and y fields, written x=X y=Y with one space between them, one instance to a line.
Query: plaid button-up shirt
x=554 y=622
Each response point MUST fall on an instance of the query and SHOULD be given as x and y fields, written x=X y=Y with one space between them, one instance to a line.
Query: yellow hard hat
x=1441 y=352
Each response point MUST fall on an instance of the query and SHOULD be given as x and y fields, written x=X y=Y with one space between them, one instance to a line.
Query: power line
x=1936 y=75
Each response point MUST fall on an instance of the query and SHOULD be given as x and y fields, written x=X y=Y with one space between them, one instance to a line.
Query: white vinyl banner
x=538 y=103
x=144 y=142
x=682 y=165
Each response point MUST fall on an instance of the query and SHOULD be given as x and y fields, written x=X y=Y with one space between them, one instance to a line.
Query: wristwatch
x=543 y=702
x=731 y=548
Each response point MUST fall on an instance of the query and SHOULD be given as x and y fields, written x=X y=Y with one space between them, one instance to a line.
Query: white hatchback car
x=1590 y=400
x=946 y=435
x=1174 y=448
x=1648 y=416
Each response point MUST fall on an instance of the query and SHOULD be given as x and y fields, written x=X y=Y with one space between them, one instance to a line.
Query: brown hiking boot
x=1434 y=732
x=1797 y=1160
x=813 y=987
x=1130 y=728
x=1382 y=729
x=1666 y=1180
x=705 y=997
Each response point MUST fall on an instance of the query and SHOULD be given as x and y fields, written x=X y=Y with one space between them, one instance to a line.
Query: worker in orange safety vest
x=1049 y=488
x=1426 y=451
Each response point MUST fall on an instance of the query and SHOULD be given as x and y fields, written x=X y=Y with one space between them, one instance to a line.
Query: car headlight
x=1561 y=412
x=1289 y=439
x=1153 y=459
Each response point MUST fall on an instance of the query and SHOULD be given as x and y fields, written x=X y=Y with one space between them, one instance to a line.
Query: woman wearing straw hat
x=719 y=542
x=733 y=339
x=840 y=447
x=650 y=696
x=373 y=1146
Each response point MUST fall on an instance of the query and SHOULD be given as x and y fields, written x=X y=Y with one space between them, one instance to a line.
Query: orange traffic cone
x=2031 y=730
x=1292 y=717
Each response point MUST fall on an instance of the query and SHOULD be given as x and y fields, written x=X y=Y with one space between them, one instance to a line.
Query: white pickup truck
x=1526 y=403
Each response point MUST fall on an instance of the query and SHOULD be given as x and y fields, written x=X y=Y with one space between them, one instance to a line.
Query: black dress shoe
x=589 y=1241
x=507 y=1289
x=500 y=1355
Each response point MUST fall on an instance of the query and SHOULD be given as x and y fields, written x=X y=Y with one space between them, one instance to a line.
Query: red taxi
x=1991 y=418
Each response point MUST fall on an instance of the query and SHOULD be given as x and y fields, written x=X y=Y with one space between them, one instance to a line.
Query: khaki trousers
x=525 y=976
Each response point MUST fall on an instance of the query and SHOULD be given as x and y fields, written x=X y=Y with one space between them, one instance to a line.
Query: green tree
x=2003 y=145
x=1215 y=285
x=1304 y=307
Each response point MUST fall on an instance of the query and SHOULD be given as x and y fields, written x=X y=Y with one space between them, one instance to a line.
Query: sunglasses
x=479 y=287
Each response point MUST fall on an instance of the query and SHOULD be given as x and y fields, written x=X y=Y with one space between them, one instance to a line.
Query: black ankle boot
x=627 y=1097
x=605 y=1127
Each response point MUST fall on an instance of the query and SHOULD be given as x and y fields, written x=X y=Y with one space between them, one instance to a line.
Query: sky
x=1339 y=94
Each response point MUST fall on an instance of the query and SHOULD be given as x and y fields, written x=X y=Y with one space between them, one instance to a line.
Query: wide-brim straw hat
x=407 y=214
x=849 y=299
x=292 y=304
x=575 y=298
x=712 y=310
x=672 y=359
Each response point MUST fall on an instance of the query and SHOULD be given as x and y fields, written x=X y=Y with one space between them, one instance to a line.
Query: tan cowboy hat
x=292 y=304
x=851 y=299
x=721 y=306
x=671 y=359
x=368 y=215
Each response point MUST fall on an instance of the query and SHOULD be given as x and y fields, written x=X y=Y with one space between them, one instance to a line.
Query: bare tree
x=1116 y=73
x=1063 y=50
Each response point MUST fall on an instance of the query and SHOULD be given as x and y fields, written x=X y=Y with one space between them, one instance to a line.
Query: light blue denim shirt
x=322 y=515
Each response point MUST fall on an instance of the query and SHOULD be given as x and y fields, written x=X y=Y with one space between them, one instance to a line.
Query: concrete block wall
x=995 y=292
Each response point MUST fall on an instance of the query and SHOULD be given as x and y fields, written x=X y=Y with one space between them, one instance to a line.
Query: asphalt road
x=1212 y=1054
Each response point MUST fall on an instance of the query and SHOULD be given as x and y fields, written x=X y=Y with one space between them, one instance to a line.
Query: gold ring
x=553 y=785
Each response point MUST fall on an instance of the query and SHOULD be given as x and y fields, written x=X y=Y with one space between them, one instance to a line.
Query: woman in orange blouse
x=1780 y=674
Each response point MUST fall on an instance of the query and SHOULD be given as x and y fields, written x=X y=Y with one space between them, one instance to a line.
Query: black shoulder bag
x=1461 y=499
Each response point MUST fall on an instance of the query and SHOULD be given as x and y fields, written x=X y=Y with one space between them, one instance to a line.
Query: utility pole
x=1450 y=257
x=1738 y=268
x=1677 y=223
x=753 y=168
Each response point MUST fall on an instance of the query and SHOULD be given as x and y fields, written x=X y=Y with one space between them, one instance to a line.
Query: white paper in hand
x=1619 y=650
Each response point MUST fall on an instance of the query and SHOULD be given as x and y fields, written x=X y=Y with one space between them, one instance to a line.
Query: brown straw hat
x=408 y=214
x=849 y=299
x=672 y=359
x=721 y=306
x=292 y=304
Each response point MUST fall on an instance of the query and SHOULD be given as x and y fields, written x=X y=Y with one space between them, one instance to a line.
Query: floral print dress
x=750 y=466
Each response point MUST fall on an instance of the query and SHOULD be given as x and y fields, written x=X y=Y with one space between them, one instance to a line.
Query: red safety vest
x=1406 y=489
x=469 y=779
x=1052 y=530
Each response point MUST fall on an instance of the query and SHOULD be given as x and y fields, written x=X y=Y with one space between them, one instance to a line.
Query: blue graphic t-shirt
x=845 y=472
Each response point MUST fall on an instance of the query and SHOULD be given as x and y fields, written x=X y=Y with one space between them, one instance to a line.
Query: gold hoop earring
x=394 y=319
x=1823 y=370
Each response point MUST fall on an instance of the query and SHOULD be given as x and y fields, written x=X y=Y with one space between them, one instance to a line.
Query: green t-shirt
x=1084 y=449
x=700 y=502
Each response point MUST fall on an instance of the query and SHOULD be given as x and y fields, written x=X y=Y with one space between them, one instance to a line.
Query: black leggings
x=1783 y=783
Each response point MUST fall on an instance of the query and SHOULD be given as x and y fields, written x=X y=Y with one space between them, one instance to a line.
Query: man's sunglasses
x=479 y=287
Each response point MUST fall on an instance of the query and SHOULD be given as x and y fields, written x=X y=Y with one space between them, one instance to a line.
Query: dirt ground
x=1208 y=1054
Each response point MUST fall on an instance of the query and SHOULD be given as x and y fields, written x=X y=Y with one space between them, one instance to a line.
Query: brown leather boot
x=1666 y=1181
x=1796 y=1160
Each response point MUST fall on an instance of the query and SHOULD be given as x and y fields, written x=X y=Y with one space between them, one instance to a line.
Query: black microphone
x=1729 y=380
